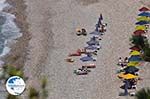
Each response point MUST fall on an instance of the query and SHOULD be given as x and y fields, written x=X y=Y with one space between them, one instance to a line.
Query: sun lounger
x=90 y=66
x=87 y=58
x=80 y=72
x=70 y=60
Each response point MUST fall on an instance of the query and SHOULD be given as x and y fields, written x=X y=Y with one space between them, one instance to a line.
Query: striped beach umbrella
x=135 y=53
x=131 y=69
x=147 y=14
x=140 y=27
x=142 y=23
x=132 y=63
x=135 y=48
x=144 y=9
x=143 y=18
x=128 y=76
x=134 y=59
x=138 y=32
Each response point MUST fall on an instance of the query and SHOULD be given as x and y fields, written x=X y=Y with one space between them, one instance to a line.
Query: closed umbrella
x=142 y=23
x=101 y=17
x=147 y=14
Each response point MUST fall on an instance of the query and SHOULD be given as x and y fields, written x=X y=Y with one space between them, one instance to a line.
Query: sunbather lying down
x=82 y=71
x=69 y=60
x=89 y=66
x=81 y=32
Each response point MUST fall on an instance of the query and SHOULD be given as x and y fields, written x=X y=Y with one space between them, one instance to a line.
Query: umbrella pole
x=96 y=29
x=126 y=87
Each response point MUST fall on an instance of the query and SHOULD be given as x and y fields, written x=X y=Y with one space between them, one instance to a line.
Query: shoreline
x=17 y=55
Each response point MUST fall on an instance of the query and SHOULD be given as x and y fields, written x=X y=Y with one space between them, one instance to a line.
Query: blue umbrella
x=135 y=58
x=96 y=33
x=144 y=14
x=142 y=23
x=97 y=26
x=92 y=42
x=93 y=38
x=91 y=47
x=86 y=58
x=99 y=22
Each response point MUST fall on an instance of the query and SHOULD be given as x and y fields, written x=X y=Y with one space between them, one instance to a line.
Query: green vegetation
x=33 y=93
x=139 y=41
x=9 y=96
x=13 y=71
x=42 y=94
x=43 y=86
x=146 y=55
x=143 y=94
x=142 y=42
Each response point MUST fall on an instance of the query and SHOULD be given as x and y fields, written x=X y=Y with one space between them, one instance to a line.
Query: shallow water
x=8 y=29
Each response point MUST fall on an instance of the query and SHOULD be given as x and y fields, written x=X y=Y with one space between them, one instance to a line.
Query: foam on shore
x=9 y=30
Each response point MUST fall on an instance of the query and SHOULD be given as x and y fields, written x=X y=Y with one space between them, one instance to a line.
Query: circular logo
x=15 y=85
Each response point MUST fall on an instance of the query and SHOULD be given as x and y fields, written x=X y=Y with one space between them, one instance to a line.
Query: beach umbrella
x=96 y=33
x=134 y=59
x=99 y=22
x=131 y=69
x=144 y=14
x=142 y=23
x=128 y=76
x=135 y=48
x=131 y=63
x=92 y=42
x=93 y=38
x=138 y=32
x=135 y=53
x=91 y=47
x=86 y=58
x=97 y=27
x=144 y=9
x=101 y=17
x=143 y=18
x=140 y=27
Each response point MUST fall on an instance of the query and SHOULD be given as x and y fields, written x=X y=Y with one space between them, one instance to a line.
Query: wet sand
x=18 y=53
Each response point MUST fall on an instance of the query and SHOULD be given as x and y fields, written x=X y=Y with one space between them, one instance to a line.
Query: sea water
x=8 y=29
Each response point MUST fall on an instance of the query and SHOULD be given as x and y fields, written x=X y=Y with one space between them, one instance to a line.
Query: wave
x=8 y=29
